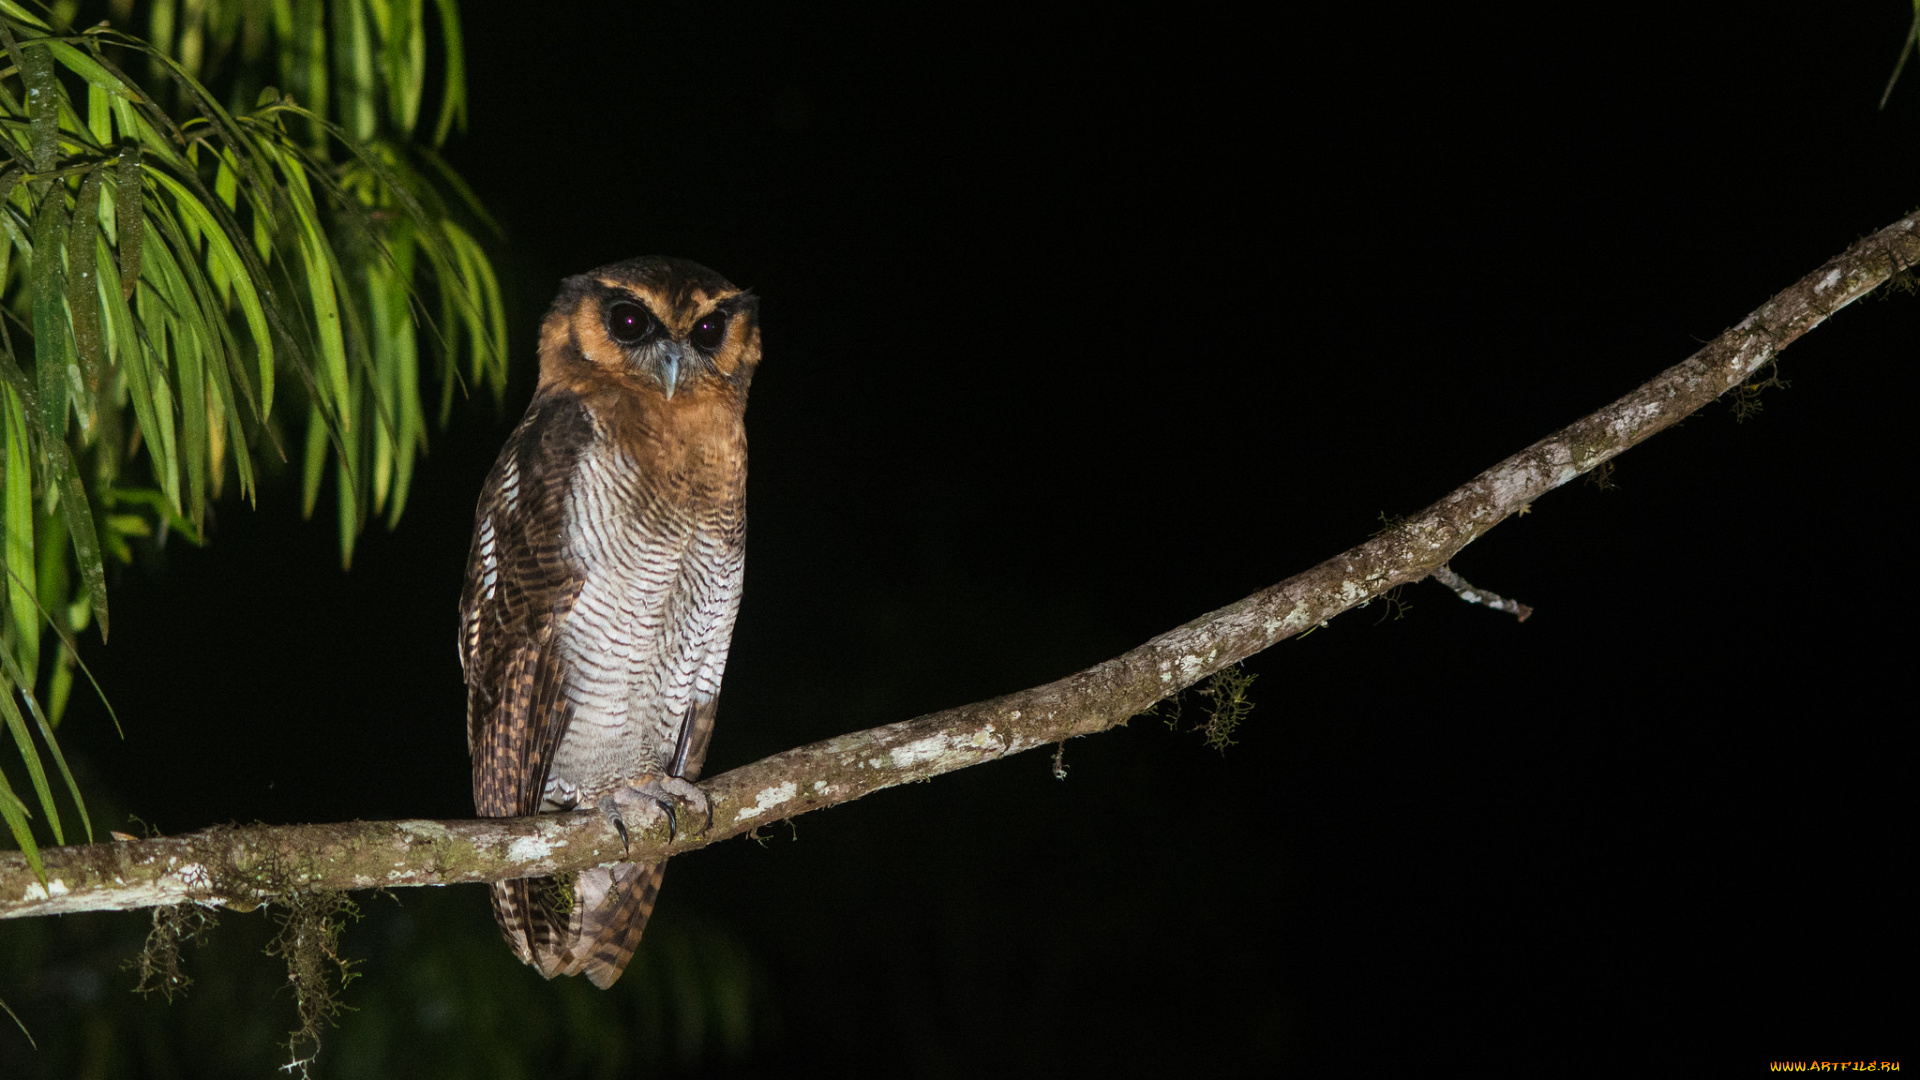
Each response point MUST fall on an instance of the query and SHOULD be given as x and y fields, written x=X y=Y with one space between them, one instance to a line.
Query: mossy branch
x=243 y=867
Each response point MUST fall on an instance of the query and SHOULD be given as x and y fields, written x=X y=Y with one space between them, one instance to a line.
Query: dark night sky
x=1078 y=328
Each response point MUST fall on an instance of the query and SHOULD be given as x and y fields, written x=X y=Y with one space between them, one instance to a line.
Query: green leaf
x=309 y=44
x=43 y=105
x=160 y=25
x=151 y=326
x=453 y=100
x=16 y=814
x=79 y=522
x=409 y=417
x=314 y=463
x=1907 y=45
x=17 y=726
x=218 y=402
x=59 y=691
x=353 y=48
x=349 y=511
x=157 y=502
x=379 y=281
x=226 y=183
x=16 y=12
x=100 y=115
x=17 y=496
x=3 y=1005
x=477 y=278
x=129 y=218
x=190 y=251
x=83 y=290
x=50 y=315
x=91 y=70
x=236 y=441
x=404 y=42
x=8 y=180
x=50 y=550
x=190 y=364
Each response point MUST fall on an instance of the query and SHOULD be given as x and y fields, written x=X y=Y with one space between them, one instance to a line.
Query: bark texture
x=242 y=867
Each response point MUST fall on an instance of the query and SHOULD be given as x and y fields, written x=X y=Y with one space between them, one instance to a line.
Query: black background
x=1077 y=328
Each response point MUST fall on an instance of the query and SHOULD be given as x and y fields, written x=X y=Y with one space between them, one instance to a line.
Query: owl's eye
x=630 y=324
x=709 y=331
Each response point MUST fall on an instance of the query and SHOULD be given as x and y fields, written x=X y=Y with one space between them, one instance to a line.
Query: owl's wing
x=519 y=588
x=691 y=752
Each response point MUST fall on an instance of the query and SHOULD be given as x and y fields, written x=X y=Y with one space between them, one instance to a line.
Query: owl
x=602 y=586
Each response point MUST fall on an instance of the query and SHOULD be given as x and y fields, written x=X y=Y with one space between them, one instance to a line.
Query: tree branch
x=244 y=866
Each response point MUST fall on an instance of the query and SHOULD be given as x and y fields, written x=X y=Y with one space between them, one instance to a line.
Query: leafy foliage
x=169 y=258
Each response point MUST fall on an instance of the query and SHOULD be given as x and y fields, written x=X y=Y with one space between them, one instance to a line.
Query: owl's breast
x=646 y=638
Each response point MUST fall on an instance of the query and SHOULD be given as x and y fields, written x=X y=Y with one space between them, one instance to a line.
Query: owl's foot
x=666 y=794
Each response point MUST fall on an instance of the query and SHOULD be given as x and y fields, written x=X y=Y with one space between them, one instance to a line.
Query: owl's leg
x=651 y=793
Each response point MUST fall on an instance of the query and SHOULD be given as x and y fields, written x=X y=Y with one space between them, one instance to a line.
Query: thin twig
x=1445 y=576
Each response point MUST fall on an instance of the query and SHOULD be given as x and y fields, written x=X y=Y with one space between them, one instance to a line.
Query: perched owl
x=603 y=582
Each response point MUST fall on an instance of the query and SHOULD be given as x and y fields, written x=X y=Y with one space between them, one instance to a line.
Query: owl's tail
x=591 y=928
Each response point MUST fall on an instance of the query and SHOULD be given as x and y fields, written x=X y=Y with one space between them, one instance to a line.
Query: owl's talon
x=610 y=807
x=667 y=794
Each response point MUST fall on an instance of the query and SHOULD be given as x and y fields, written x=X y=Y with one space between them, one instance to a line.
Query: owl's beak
x=668 y=366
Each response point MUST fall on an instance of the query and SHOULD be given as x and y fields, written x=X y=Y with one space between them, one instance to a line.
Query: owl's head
x=652 y=325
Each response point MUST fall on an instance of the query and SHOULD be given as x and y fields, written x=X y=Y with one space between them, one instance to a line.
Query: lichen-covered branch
x=244 y=866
